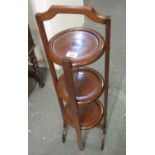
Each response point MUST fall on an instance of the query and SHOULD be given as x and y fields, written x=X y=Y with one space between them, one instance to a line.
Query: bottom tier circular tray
x=89 y=115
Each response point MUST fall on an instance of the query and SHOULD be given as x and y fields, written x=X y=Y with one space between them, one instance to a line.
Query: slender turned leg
x=65 y=130
x=35 y=66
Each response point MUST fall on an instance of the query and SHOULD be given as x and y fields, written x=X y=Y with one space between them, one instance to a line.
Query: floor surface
x=45 y=123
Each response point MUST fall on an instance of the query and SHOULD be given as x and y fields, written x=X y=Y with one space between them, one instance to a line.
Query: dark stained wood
x=31 y=44
x=36 y=71
x=91 y=46
x=85 y=44
x=36 y=74
x=88 y=83
x=65 y=130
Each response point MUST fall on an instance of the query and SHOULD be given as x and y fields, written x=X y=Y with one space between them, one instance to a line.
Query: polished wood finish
x=82 y=110
x=89 y=116
x=85 y=44
x=88 y=83
x=88 y=11
x=72 y=104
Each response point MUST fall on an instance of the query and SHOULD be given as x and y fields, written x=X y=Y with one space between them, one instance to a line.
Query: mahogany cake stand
x=79 y=87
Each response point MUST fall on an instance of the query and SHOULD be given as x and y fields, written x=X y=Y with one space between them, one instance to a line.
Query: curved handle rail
x=62 y=9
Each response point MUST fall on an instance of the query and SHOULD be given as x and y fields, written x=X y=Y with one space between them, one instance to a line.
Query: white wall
x=58 y=23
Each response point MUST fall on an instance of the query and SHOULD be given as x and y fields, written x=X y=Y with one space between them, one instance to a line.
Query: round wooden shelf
x=89 y=115
x=89 y=85
x=80 y=45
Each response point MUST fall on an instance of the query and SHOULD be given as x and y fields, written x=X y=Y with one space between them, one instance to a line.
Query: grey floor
x=45 y=123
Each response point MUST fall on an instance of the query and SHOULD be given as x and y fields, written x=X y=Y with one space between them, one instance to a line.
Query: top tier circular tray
x=80 y=45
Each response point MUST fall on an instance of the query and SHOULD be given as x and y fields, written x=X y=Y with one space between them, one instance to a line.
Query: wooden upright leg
x=107 y=62
x=79 y=139
x=54 y=76
x=67 y=67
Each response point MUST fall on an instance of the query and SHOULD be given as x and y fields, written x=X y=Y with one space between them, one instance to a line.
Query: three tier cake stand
x=79 y=87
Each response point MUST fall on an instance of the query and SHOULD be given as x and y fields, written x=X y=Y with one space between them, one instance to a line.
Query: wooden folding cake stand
x=79 y=88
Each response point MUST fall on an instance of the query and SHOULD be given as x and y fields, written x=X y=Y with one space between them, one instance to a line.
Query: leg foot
x=102 y=144
x=41 y=84
x=65 y=130
x=79 y=139
x=103 y=139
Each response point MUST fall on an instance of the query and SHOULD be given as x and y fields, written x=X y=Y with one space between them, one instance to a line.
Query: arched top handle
x=62 y=9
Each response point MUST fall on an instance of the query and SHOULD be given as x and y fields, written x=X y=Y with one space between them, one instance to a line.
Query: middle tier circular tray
x=88 y=83
x=80 y=45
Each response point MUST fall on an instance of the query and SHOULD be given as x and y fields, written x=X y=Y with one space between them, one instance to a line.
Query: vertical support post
x=106 y=75
x=68 y=75
x=50 y=63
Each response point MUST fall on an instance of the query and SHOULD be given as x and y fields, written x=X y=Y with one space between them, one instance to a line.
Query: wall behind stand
x=60 y=22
